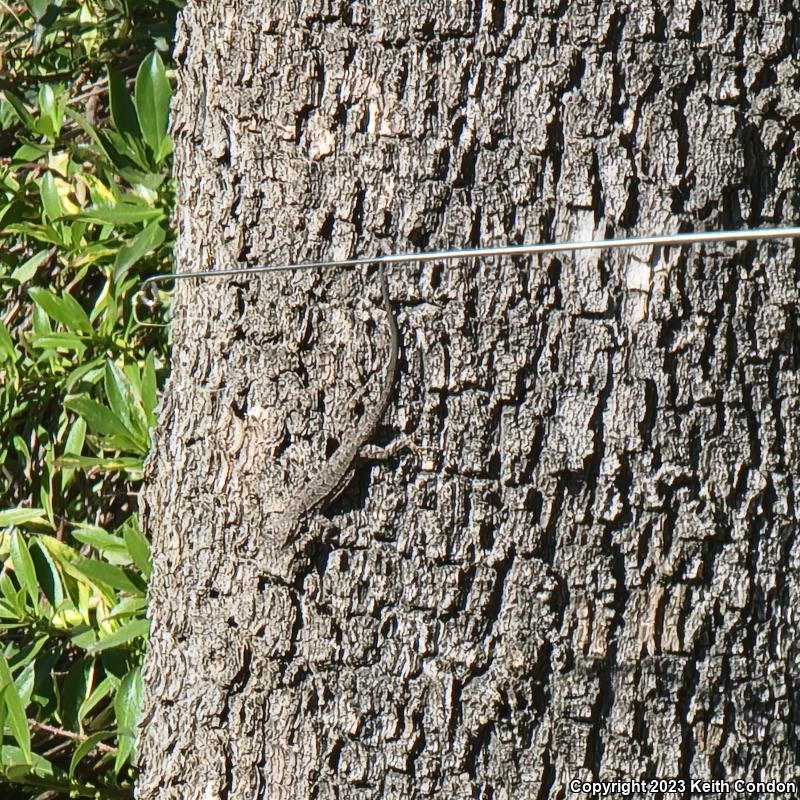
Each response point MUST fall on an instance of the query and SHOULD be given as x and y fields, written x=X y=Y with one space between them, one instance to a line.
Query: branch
x=68 y=735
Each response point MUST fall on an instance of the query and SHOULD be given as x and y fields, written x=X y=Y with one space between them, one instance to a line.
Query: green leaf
x=30 y=151
x=42 y=692
x=86 y=747
x=13 y=761
x=152 y=96
x=74 y=690
x=28 y=654
x=41 y=322
x=98 y=417
x=76 y=231
x=25 y=271
x=72 y=446
x=102 y=464
x=126 y=152
x=52 y=108
x=21 y=516
x=89 y=130
x=51 y=202
x=12 y=212
x=7 y=350
x=12 y=596
x=23 y=567
x=121 y=214
x=65 y=309
x=134 y=629
x=21 y=447
x=123 y=112
x=128 y=706
x=77 y=318
x=16 y=719
x=89 y=372
x=117 y=661
x=102 y=540
x=147 y=240
x=85 y=639
x=104 y=573
x=45 y=124
x=143 y=176
x=41 y=233
x=139 y=548
x=38 y=8
x=128 y=607
x=94 y=253
x=24 y=682
x=59 y=341
x=3 y=717
x=63 y=553
x=164 y=149
x=45 y=495
x=124 y=401
x=101 y=691
x=22 y=113
x=47 y=574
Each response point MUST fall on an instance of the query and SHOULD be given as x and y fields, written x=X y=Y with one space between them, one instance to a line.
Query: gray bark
x=591 y=567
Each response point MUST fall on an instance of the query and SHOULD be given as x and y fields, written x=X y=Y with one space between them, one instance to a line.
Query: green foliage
x=85 y=197
x=73 y=632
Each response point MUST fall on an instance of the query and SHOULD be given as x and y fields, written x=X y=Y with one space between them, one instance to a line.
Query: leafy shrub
x=85 y=196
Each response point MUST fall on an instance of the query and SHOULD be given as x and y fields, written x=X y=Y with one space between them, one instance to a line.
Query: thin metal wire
x=661 y=240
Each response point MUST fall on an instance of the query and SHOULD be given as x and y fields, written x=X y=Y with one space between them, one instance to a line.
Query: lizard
x=336 y=473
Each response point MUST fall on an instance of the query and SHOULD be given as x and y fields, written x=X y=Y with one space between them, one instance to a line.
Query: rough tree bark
x=591 y=567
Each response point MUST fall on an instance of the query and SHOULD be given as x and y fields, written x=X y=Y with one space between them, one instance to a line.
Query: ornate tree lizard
x=334 y=476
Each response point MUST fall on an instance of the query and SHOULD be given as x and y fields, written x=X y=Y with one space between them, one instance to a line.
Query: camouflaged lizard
x=333 y=477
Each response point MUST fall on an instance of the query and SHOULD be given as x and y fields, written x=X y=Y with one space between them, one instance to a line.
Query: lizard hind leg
x=320 y=531
x=374 y=452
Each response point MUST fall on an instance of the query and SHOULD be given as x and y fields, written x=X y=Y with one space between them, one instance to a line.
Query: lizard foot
x=373 y=452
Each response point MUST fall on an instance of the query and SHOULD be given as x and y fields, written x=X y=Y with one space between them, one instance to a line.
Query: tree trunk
x=589 y=568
